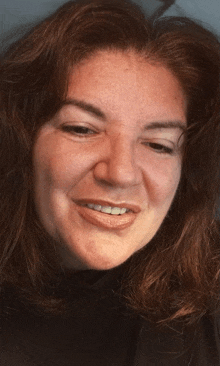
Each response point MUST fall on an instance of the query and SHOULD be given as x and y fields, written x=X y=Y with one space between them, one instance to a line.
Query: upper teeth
x=108 y=209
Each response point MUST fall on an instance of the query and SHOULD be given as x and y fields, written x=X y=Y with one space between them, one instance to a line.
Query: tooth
x=116 y=211
x=90 y=205
x=106 y=209
x=97 y=207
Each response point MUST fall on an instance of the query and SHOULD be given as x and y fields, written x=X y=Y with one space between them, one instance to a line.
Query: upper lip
x=130 y=206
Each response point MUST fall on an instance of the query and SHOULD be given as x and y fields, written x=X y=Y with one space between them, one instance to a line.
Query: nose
x=118 y=165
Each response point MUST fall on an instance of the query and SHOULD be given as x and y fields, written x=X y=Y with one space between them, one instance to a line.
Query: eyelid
x=161 y=141
x=70 y=126
x=167 y=146
x=164 y=149
x=170 y=136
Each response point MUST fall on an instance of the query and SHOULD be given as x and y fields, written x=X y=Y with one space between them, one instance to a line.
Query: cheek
x=61 y=169
x=162 y=178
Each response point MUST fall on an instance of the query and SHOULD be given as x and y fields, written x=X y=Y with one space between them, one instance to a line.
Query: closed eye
x=77 y=130
x=159 y=148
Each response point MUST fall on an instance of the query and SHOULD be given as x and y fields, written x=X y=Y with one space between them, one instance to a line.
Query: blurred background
x=17 y=15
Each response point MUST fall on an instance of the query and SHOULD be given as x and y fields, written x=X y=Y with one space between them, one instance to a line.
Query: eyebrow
x=87 y=107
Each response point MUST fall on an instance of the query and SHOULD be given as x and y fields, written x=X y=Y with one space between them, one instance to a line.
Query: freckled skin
x=113 y=161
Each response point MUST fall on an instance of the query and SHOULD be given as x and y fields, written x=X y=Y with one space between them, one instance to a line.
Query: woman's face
x=107 y=166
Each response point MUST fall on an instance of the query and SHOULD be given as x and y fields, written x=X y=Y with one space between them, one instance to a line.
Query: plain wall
x=205 y=11
x=17 y=14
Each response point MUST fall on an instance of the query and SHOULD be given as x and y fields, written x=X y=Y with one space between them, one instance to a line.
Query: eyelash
x=78 y=130
x=82 y=131
x=159 y=148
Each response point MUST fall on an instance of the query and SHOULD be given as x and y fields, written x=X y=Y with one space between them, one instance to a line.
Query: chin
x=103 y=264
x=99 y=263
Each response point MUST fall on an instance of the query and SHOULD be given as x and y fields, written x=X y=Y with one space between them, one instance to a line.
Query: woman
x=109 y=190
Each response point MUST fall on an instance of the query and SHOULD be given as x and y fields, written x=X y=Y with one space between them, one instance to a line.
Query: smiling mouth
x=107 y=217
x=107 y=209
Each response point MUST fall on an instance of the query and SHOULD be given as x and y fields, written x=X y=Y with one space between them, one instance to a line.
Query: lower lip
x=106 y=221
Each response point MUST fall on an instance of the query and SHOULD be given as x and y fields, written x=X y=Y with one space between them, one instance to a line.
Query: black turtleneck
x=98 y=330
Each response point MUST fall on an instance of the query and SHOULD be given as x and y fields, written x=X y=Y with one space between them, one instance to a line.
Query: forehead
x=115 y=79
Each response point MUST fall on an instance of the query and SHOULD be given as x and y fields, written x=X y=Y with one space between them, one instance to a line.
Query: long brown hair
x=175 y=276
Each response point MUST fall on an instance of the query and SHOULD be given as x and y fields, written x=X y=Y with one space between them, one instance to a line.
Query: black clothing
x=99 y=331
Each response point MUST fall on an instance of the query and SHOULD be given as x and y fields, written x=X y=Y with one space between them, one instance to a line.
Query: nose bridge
x=122 y=159
x=120 y=166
